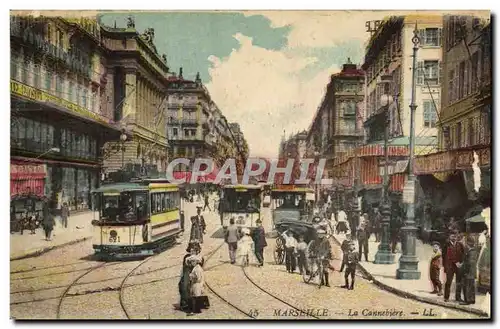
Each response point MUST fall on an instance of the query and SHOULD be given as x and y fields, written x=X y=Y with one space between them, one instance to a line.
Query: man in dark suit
x=259 y=240
x=198 y=226
x=453 y=261
x=469 y=271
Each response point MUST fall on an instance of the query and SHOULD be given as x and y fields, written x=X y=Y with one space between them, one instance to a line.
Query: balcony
x=41 y=44
x=189 y=122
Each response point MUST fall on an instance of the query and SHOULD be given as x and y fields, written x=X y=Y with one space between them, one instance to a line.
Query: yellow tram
x=242 y=203
x=138 y=218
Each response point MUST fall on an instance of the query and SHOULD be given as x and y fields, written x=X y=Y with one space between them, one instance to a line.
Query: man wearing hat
x=198 y=226
x=259 y=240
x=469 y=272
x=435 y=269
x=321 y=249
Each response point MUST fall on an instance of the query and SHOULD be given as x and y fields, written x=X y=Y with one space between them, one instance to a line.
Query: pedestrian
x=207 y=203
x=259 y=240
x=394 y=231
x=301 y=255
x=185 y=303
x=231 y=238
x=198 y=226
x=469 y=272
x=197 y=279
x=377 y=224
x=363 y=235
x=342 y=225
x=453 y=262
x=48 y=223
x=352 y=259
x=435 y=269
x=65 y=214
x=245 y=247
x=290 y=245
x=345 y=249
x=322 y=251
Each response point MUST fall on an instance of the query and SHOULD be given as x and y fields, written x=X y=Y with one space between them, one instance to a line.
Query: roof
x=294 y=190
x=120 y=187
x=255 y=187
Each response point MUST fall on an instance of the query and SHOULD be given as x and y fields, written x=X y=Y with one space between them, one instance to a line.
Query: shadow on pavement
x=219 y=234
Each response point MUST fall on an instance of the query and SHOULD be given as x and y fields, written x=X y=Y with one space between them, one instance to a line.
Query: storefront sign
x=28 y=169
x=433 y=163
x=38 y=95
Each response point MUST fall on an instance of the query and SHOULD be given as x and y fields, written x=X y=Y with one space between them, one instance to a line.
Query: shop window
x=83 y=188
x=68 y=187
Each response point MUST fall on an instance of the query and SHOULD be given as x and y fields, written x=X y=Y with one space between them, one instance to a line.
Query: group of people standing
x=459 y=261
x=242 y=243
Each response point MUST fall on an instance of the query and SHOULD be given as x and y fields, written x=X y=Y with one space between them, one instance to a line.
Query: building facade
x=465 y=125
x=137 y=85
x=58 y=123
x=197 y=127
x=345 y=105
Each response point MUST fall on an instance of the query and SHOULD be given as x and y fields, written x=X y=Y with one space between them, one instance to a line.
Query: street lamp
x=54 y=149
x=408 y=262
x=123 y=139
x=384 y=254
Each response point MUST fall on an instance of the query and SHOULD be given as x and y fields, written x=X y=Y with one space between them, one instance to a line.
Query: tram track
x=121 y=290
x=276 y=297
x=252 y=312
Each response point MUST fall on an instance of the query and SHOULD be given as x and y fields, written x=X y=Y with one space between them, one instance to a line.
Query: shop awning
x=475 y=219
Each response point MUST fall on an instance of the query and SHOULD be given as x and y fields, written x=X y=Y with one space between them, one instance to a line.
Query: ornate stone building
x=137 y=89
x=58 y=123
x=196 y=127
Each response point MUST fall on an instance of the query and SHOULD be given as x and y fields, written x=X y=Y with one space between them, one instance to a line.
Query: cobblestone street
x=66 y=283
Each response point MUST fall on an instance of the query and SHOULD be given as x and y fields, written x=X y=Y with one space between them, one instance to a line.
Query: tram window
x=163 y=201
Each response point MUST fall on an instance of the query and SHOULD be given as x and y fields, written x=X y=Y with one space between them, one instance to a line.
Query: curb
x=409 y=295
x=41 y=251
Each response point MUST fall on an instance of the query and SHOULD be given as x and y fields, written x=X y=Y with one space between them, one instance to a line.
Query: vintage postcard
x=308 y=165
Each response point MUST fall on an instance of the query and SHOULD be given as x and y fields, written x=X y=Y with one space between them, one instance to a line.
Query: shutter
x=420 y=73
x=439 y=38
x=440 y=72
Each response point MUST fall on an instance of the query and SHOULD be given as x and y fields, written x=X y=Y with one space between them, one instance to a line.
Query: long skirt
x=196 y=233
x=185 y=299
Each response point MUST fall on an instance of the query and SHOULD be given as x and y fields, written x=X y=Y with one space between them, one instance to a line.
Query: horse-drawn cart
x=298 y=228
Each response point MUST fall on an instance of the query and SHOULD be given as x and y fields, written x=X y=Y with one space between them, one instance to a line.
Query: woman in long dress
x=197 y=278
x=185 y=304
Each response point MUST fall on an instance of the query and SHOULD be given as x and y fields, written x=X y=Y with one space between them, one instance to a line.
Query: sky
x=265 y=70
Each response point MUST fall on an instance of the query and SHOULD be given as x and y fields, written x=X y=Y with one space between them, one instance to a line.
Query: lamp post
x=384 y=254
x=408 y=262
x=123 y=139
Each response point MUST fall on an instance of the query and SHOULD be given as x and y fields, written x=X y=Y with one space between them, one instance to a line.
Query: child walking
x=245 y=247
x=435 y=269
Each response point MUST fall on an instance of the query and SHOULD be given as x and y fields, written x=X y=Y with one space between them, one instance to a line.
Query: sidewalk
x=384 y=276
x=30 y=245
